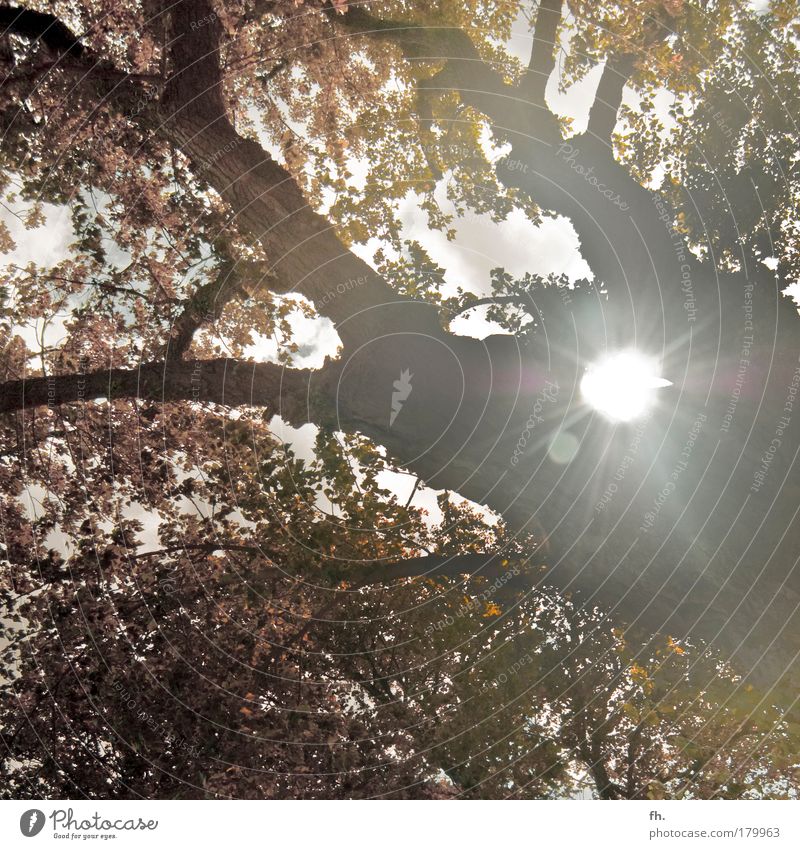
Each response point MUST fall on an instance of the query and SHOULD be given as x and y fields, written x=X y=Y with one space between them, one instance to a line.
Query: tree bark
x=229 y=383
x=305 y=253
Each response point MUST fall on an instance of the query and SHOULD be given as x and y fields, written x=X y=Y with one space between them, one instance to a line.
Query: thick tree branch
x=230 y=382
x=503 y=578
x=603 y=114
x=617 y=71
x=479 y=85
x=507 y=571
x=542 y=60
x=592 y=755
x=123 y=89
x=520 y=300
x=580 y=178
x=416 y=40
x=206 y=306
x=305 y=253
x=471 y=401
x=200 y=547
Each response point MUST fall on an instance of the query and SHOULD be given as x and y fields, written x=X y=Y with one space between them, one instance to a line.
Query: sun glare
x=622 y=385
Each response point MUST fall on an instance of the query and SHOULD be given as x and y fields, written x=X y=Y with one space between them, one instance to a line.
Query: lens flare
x=622 y=385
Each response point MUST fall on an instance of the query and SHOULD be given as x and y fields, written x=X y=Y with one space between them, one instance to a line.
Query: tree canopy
x=469 y=584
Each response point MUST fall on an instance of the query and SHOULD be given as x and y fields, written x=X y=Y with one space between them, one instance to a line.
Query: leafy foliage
x=189 y=608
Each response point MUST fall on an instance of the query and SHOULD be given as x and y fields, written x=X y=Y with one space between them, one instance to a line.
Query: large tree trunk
x=670 y=524
x=685 y=523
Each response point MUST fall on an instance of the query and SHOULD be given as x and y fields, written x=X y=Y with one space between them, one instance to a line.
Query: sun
x=622 y=385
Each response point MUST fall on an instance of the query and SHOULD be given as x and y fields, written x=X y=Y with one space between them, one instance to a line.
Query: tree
x=189 y=229
x=257 y=655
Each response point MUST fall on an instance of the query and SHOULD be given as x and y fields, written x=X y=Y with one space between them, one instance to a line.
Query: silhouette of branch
x=542 y=59
x=521 y=300
x=604 y=110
